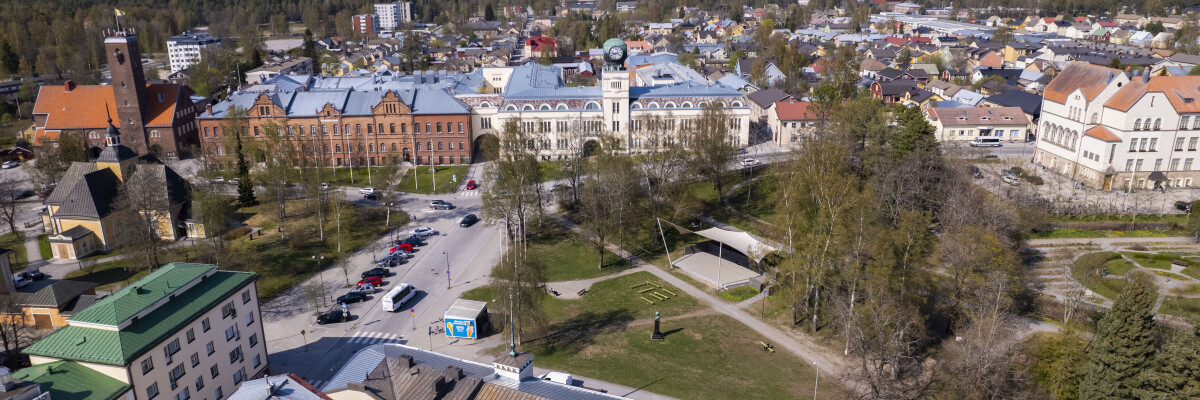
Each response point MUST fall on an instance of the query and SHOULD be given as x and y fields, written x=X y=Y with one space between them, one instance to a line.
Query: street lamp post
x=447 y=268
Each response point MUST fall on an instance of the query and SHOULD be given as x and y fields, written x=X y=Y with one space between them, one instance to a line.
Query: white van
x=986 y=141
x=397 y=296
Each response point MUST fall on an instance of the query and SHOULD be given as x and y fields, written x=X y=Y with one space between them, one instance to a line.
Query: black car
x=33 y=275
x=414 y=241
x=1185 y=206
x=380 y=272
x=332 y=316
x=352 y=297
x=371 y=196
x=975 y=172
x=468 y=220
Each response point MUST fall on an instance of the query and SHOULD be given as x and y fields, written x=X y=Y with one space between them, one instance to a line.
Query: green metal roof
x=122 y=347
x=67 y=380
x=133 y=299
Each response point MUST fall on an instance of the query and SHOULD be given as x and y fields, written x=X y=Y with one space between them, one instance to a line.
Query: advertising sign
x=461 y=328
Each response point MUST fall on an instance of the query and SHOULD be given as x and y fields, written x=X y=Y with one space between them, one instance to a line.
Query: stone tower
x=129 y=86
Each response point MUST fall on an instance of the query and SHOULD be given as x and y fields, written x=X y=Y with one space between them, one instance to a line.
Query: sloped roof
x=68 y=380
x=91 y=196
x=764 y=98
x=56 y=294
x=1102 y=133
x=1089 y=78
x=82 y=107
x=1181 y=91
x=793 y=110
x=979 y=116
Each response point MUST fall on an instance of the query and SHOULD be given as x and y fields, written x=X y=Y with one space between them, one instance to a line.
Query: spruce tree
x=489 y=14
x=1175 y=373
x=245 y=188
x=1123 y=346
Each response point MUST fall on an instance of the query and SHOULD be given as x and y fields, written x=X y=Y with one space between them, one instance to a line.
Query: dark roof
x=74 y=173
x=891 y=73
x=80 y=303
x=116 y=153
x=397 y=378
x=57 y=294
x=766 y=97
x=77 y=232
x=1009 y=74
x=897 y=87
x=1030 y=103
x=91 y=196
x=919 y=95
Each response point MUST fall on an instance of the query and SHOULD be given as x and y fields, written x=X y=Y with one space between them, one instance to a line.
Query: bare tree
x=981 y=356
x=16 y=331
x=142 y=211
x=713 y=151
x=344 y=264
x=664 y=169
x=9 y=190
x=886 y=337
x=280 y=162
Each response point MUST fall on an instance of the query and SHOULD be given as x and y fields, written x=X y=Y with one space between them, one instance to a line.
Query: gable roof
x=1181 y=91
x=1089 y=78
x=793 y=110
x=91 y=196
x=1028 y=102
x=979 y=116
x=1102 y=133
x=764 y=98
x=82 y=107
x=57 y=294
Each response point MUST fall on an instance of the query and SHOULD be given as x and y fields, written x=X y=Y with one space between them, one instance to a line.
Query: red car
x=403 y=246
x=471 y=185
x=373 y=280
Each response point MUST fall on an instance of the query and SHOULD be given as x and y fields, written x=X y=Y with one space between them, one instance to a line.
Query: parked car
x=440 y=205
x=22 y=194
x=324 y=185
x=471 y=185
x=402 y=247
x=750 y=162
x=373 y=280
x=219 y=179
x=380 y=272
x=367 y=190
x=10 y=164
x=33 y=275
x=975 y=172
x=986 y=141
x=331 y=316
x=468 y=220
x=371 y=196
x=413 y=241
x=391 y=260
x=46 y=190
x=20 y=281
x=368 y=288
x=741 y=150
x=1185 y=206
x=352 y=297
x=235 y=181
x=1012 y=180
x=423 y=231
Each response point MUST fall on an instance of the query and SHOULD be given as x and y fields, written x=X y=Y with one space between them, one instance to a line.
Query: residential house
x=539 y=45
x=791 y=121
x=762 y=101
x=1029 y=103
x=965 y=124
x=771 y=73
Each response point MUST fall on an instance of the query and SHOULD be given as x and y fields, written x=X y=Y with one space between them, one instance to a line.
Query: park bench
x=581 y=292
x=767 y=346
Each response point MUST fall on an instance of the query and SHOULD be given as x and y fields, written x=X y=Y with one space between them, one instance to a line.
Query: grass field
x=424 y=179
x=1118 y=266
x=567 y=257
x=1086 y=233
x=1148 y=260
x=1180 y=306
x=15 y=241
x=44 y=246
x=739 y=294
x=1087 y=269
x=612 y=301
x=759 y=201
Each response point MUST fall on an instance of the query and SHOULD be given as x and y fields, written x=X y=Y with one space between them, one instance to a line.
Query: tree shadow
x=579 y=332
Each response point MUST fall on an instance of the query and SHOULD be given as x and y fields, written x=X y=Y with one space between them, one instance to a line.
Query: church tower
x=614 y=85
x=129 y=85
x=115 y=156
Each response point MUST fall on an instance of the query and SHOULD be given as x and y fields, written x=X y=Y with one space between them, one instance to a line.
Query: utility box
x=466 y=319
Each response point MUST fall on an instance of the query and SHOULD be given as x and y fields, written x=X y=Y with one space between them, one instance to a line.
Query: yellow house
x=79 y=215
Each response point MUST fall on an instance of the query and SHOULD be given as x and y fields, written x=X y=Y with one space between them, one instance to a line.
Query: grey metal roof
x=284 y=388
x=766 y=97
x=91 y=196
x=366 y=360
x=56 y=294
x=684 y=89
x=116 y=153
x=77 y=232
x=465 y=309
x=74 y=174
x=80 y=303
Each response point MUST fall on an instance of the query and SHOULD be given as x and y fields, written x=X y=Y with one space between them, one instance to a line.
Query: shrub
x=236 y=233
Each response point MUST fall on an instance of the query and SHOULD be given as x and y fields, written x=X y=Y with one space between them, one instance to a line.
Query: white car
x=20 y=281
x=750 y=162
x=324 y=185
x=10 y=164
x=219 y=179
x=1011 y=180
x=423 y=231
x=366 y=190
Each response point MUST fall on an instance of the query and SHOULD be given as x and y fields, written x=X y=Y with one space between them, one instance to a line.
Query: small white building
x=289 y=66
x=184 y=50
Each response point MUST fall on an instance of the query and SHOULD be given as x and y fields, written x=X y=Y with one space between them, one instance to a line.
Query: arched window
x=392 y=128
x=652 y=105
x=510 y=108
x=1095 y=118
x=635 y=106
x=591 y=105
x=527 y=107
x=561 y=106
x=1074 y=139
x=670 y=104
x=686 y=104
x=94 y=135
x=701 y=104
x=736 y=104
x=544 y=107
x=371 y=147
x=393 y=147
x=485 y=104
x=1137 y=124
x=1157 y=123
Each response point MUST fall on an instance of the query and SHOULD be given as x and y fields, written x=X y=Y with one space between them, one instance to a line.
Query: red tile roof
x=82 y=107
x=1102 y=133
x=1181 y=91
x=792 y=110
x=538 y=41
x=1091 y=79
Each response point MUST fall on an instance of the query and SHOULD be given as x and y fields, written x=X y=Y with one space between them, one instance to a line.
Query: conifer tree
x=1123 y=346
x=1175 y=373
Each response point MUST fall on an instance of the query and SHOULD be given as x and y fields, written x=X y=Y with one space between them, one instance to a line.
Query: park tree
x=1058 y=364
x=9 y=189
x=758 y=73
x=142 y=210
x=1175 y=373
x=1003 y=34
x=712 y=144
x=279 y=24
x=514 y=198
x=904 y=56
x=279 y=161
x=213 y=211
x=1124 y=344
x=245 y=187
x=311 y=51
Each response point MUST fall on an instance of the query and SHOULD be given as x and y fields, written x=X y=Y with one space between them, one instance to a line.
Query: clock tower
x=614 y=84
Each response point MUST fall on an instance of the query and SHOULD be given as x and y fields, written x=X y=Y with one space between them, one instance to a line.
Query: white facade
x=391 y=15
x=184 y=50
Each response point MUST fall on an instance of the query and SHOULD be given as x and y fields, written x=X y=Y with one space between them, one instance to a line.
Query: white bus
x=397 y=296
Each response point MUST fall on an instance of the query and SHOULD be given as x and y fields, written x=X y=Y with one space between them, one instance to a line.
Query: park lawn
x=1149 y=260
x=1088 y=233
x=15 y=241
x=705 y=357
x=760 y=203
x=1180 y=306
x=44 y=246
x=739 y=294
x=1118 y=267
x=112 y=275
x=424 y=180
x=1192 y=271
x=343 y=176
x=1087 y=268
x=1192 y=289
x=567 y=257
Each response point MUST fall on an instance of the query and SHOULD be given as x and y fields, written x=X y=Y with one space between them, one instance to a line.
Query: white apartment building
x=184 y=50
x=391 y=15
x=968 y=123
x=1108 y=130
x=184 y=331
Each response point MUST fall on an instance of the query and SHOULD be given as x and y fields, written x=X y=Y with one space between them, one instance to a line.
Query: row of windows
x=1135 y=165
x=177 y=373
x=430 y=128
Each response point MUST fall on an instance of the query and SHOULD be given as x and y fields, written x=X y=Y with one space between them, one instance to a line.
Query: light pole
x=817 y=376
x=447 y=268
x=321 y=277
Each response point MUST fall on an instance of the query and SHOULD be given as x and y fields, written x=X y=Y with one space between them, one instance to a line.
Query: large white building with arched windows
x=1109 y=130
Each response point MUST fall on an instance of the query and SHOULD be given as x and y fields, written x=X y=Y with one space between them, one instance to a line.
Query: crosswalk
x=468 y=193
x=369 y=338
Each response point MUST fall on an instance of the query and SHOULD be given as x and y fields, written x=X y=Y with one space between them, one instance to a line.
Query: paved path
x=569 y=290
x=1107 y=243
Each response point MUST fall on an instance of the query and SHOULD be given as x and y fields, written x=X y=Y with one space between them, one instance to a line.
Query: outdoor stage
x=720 y=273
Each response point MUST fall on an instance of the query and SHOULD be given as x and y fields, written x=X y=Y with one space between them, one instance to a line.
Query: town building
x=791 y=121
x=538 y=45
x=365 y=25
x=184 y=330
x=287 y=66
x=1110 y=130
x=63 y=380
x=79 y=214
x=391 y=15
x=156 y=118
x=968 y=123
x=184 y=50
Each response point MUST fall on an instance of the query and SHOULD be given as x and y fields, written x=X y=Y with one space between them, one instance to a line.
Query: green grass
x=739 y=294
x=705 y=357
x=567 y=257
x=15 y=241
x=1118 y=267
x=1178 y=218
x=341 y=176
x=1192 y=289
x=1087 y=268
x=1192 y=271
x=1170 y=275
x=424 y=180
x=1087 y=233
x=1150 y=260
x=44 y=247
x=760 y=203
x=1180 y=306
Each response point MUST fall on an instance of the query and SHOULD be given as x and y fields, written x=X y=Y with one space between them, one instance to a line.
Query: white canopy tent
x=714 y=268
x=740 y=241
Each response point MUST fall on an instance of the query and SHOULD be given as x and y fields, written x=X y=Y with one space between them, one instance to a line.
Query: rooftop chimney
x=68 y=86
x=406 y=361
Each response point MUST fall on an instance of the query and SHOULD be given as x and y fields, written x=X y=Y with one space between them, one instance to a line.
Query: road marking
x=374 y=337
x=469 y=193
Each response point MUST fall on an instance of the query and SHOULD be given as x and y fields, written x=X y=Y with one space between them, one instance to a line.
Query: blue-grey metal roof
x=284 y=388
x=683 y=89
x=540 y=82
x=366 y=360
